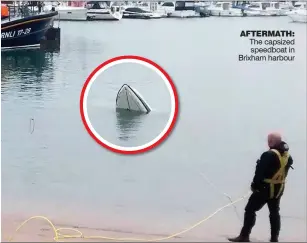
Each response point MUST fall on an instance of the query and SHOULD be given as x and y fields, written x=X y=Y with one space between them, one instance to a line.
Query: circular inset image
x=129 y=104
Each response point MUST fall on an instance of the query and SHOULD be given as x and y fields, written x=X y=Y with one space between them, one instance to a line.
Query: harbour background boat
x=83 y=10
x=100 y=10
x=299 y=14
x=60 y=172
x=68 y=10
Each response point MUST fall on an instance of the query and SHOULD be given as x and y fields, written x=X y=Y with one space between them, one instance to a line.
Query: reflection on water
x=127 y=123
x=26 y=71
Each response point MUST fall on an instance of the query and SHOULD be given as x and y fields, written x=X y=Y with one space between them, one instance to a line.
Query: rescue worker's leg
x=256 y=201
x=273 y=205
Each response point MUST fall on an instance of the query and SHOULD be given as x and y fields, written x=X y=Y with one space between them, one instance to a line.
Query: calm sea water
x=226 y=110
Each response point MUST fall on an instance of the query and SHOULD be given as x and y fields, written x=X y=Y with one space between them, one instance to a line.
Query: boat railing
x=23 y=10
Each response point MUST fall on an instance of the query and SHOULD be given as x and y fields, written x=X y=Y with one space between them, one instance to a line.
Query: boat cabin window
x=168 y=4
x=276 y=5
x=218 y=5
x=179 y=5
x=297 y=5
x=254 y=6
x=153 y=6
x=226 y=6
x=32 y=3
x=135 y=10
x=115 y=9
x=265 y=6
x=96 y=5
x=187 y=5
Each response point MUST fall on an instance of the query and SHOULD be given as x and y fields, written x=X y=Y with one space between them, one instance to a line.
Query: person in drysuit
x=267 y=187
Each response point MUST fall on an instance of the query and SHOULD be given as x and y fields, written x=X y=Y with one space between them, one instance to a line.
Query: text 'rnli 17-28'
x=269 y=45
x=15 y=33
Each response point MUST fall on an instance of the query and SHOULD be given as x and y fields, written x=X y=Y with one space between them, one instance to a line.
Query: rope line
x=58 y=236
x=223 y=193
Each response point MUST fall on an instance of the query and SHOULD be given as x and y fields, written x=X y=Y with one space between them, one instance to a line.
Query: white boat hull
x=130 y=99
x=157 y=16
x=104 y=15
x=283 y=12
x=298 y=17
x=226 y=13
x=71 y=13
x=159 y=13
x=183 y=14
x=253 y=13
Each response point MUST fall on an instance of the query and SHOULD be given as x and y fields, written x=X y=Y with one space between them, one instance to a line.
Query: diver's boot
x=274 y=238
x=249 y=222
x=275 y=226
x=239 y=239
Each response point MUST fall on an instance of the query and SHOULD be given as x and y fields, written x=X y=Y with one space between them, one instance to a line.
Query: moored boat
x=25 y=31
x=263 y=9
x=225 y=9
x=138 y=13
x=68 y=12
x=103 y=10
x=181 y=9
x=299 y=15
x=153 y=7
x=285 y=7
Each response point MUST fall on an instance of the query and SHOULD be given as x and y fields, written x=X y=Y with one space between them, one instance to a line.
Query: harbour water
x=53 y=167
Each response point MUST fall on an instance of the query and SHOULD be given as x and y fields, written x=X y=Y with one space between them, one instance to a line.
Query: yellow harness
x=280 y=175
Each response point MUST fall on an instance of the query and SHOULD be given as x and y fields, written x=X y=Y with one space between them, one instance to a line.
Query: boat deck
x=16 y=17
x=11 y=18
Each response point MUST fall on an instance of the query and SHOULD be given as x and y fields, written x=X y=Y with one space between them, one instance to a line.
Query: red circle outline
x=140 y=59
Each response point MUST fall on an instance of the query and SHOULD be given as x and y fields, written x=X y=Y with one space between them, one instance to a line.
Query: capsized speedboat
x=130 y=99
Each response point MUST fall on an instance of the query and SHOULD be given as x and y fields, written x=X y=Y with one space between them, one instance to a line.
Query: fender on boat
x=130 y=99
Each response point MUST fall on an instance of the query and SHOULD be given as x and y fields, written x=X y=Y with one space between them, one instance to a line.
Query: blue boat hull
x=26 y=32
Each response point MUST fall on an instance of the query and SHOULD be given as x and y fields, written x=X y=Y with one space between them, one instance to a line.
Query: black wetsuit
x=266 y=167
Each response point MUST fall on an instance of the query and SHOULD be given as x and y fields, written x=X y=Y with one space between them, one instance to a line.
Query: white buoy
x=130 y=99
